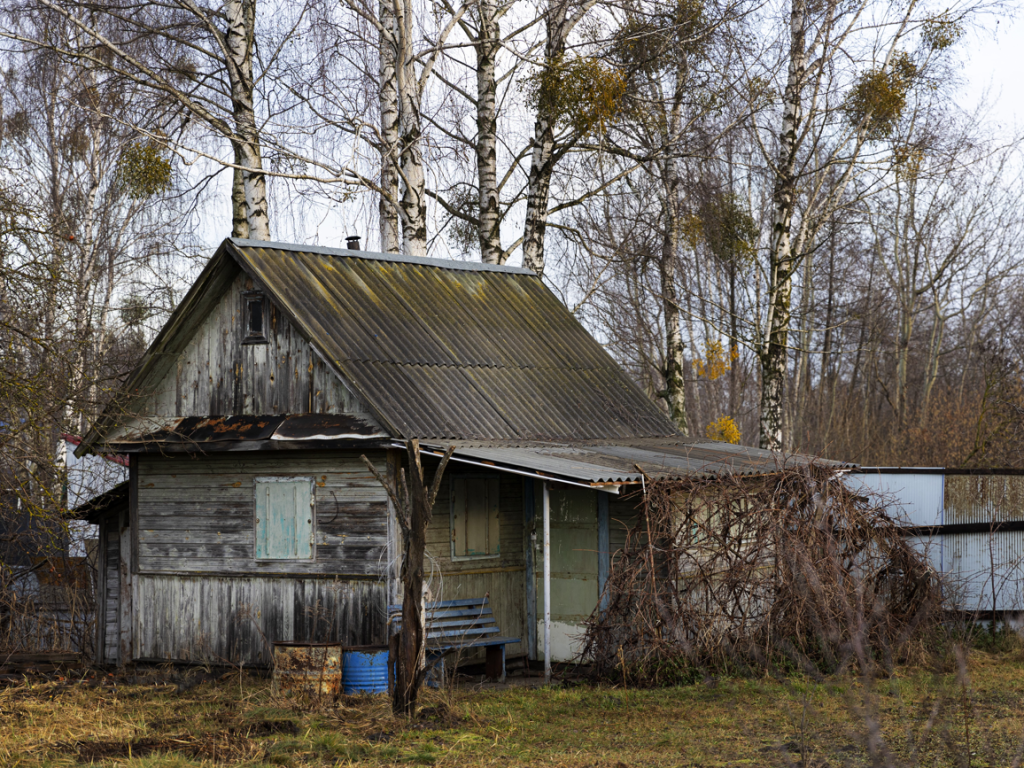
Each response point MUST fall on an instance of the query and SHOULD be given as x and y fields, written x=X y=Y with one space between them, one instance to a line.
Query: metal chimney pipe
x=352 y=241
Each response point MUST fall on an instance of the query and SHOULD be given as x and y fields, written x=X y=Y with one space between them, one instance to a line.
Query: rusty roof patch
x=225 y=429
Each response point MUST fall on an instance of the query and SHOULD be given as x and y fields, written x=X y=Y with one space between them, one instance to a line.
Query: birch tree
x=198 y=58
x=848 y=69
x=560 y=19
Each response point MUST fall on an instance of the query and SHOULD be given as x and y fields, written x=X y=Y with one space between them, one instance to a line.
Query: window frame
x=252 y=297
x=264 y=479
x=496 y=477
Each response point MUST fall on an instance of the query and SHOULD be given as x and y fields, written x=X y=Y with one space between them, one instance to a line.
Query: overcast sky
x=993 y=63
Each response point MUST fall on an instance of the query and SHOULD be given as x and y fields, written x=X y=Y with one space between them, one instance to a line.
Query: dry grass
x=924 y=719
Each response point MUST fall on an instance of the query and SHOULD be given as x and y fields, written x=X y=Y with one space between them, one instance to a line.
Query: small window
x=284 y=518
x=475 y=519
x=255 y=320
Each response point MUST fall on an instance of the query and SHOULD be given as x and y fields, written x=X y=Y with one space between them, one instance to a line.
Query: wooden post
x=124 y=650
x=529 y=518
x=547 y=583
x=126 y=566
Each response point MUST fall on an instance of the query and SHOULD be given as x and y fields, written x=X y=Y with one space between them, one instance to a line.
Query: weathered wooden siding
x=111 y=585
x=233 y=619
x=502 y=577
x=217 y=375
x=196 y=514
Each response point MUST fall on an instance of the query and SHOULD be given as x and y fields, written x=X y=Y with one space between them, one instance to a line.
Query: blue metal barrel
x=365 y=669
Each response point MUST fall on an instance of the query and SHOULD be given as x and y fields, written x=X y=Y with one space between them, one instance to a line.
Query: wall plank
x=503 y=577
x=234 y=619
x=197 y=514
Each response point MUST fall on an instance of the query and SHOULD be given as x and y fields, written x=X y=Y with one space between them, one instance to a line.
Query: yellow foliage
x=880 y=95
x=581 y=92
x=907 y=161
x=692 y=230
x=942 y=31
x=724 y=429
x=715 y=361
x=143 y=170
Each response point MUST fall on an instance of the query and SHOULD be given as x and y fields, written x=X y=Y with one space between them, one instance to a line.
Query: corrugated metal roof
x=457 y=350
x=626 y=461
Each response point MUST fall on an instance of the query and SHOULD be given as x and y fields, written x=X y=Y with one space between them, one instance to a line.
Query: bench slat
x=446 y=614
x=447 y=604
x=451 y=620
x=454 y=625
x=464 y=632
x=472 y=643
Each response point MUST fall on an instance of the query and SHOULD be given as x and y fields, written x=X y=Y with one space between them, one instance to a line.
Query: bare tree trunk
x=906 y=327
x=412 y=206
x=543 y=157
x=487 y=133
x=241 y=18
x=802 y=377
x=734 y=347
x=239 y=208
x=390 y=231
x=826 y=387
x=414 y=504
x=781 y=255
x=675 y=361
x=541 y=168
x=932 y=370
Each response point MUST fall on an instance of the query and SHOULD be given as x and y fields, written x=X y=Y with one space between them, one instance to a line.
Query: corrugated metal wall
x=917 y=496
x=984 y=570
x=983 y=498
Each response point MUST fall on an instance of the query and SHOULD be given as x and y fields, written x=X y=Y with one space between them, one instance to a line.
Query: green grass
x=923 y=718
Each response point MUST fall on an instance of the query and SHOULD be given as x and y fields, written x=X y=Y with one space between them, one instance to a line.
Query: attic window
x=255 y=318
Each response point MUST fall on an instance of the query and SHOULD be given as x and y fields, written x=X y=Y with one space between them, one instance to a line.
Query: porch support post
x=530 y=520
x=547 y=583
x=604 y=548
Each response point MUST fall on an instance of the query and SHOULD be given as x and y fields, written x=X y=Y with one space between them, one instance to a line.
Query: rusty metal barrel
x=311 y=668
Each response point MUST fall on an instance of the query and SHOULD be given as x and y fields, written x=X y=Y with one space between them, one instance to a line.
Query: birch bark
x=390 y=230
x=487 y=134
x=675 y=386
x=412 y=204
x=239 y=208
x=781 y=255
x=238 y=41
x=543 y=158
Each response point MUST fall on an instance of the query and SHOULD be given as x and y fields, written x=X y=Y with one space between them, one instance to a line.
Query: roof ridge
x=425 y=261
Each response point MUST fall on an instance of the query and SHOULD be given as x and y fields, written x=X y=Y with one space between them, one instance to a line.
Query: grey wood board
x=232 y=619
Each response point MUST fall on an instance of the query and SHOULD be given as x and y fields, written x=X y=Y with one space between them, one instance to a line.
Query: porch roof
x=616 y=462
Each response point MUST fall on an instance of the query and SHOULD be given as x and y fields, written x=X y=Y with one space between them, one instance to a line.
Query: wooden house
x=250 y=516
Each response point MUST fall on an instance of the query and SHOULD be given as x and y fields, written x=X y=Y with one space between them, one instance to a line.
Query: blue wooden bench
x=457 y=625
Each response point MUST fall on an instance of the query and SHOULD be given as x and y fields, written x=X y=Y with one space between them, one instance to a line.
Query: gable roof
x=438 y=349
x=451 y=349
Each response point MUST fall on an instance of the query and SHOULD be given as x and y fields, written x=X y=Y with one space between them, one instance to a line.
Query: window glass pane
x=255 y=312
